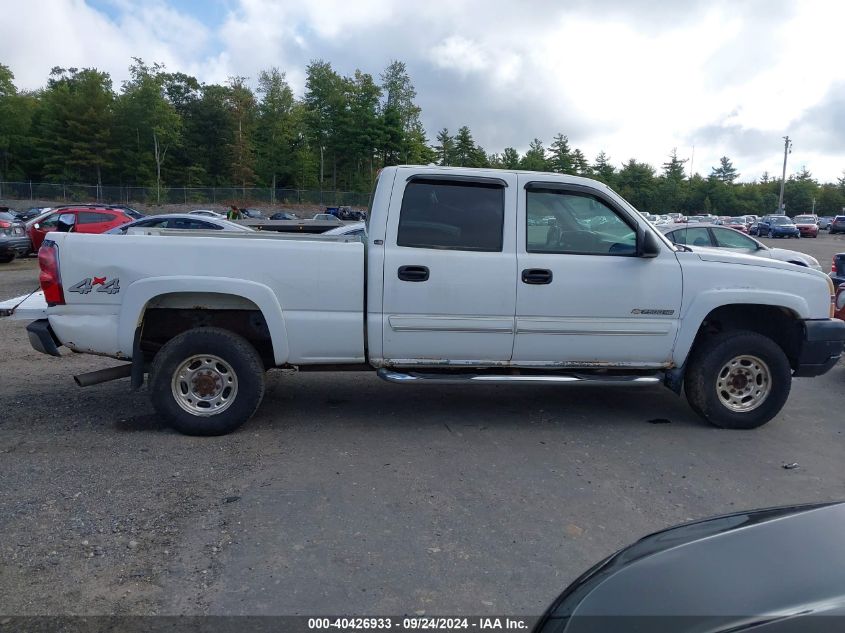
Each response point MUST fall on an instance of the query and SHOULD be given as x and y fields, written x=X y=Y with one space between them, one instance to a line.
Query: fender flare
x=705 y=302
x=140 y=293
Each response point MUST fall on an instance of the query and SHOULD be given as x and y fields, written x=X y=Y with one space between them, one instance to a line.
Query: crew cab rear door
x=584 y=296
x=450 y=269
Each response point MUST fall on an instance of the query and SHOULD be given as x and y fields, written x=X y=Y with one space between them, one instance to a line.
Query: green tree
x=603 y=170
x=445 y=148
x=274 y=132
x=16 y=113
x=580 y=164
x=325 y=102
x=510 y=158
x=560 y=156
x=76 y=125
x=725 y=172
x=674 y=169
x=535 y=157
x=147 y=123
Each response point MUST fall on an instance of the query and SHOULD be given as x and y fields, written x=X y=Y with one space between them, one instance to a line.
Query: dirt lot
x=349 y=495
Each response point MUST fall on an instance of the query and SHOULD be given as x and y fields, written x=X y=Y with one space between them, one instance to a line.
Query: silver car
x=712 y=236
x=183 y=221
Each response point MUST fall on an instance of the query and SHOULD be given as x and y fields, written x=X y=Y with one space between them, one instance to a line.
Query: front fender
x=708 y=300
x=139 y=294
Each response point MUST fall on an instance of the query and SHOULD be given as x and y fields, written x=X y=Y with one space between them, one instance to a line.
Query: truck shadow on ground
x=362 y=400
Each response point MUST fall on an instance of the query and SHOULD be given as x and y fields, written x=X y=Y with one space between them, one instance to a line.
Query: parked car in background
x=694 y=219
x=86 y=219
x=13 y=239
x=837 y=269
x=356 y=228
x=182 y=221
x=29 y=214
x=824 y=222
x=837 y=225
x=738 y=224
x=284 y=215
x=782 y=226
x=326 y=217
x=207 y=213
x=252 y=214
x=807 y=225
x=763 y=225
x=712 y=236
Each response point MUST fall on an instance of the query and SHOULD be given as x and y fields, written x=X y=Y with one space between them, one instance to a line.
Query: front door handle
x=413 y=273
x=536 y=276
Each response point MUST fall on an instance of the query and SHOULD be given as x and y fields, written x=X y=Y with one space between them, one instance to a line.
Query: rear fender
x=137 y=296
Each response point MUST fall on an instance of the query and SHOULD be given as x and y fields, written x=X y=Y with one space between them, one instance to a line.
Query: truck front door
x=585 y=297
x=450 y=270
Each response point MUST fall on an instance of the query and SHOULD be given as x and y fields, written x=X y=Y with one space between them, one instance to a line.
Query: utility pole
x=787 y=148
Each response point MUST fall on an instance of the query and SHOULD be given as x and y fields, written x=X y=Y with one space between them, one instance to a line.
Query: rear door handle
x=413 y=273
x=536 y=276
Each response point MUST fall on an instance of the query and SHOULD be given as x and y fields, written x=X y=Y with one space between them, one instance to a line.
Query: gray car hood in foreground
x=781 y=569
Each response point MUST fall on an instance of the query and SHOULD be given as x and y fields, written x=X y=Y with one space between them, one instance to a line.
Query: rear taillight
x=833 y=265
x=51 y=280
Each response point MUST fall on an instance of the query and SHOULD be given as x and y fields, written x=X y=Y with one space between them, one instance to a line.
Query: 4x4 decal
x=106 y=285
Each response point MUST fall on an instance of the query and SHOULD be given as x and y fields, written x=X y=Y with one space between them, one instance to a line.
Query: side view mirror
x=649 y=246
x=66 y=222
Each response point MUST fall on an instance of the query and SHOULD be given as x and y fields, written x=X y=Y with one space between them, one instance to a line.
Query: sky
x=633 y=78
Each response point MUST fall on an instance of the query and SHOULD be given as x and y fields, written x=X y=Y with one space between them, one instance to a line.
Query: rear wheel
x=207 y=381
x=5 y=259
x=738 y=380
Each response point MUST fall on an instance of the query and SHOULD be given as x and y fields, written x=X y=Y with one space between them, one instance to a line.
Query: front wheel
x=738 y=380
x=207 y=381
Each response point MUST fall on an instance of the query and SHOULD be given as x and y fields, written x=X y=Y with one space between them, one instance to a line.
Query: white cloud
x=632 y=77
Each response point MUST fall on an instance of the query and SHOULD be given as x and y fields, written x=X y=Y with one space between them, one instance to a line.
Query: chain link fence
x=177 y=195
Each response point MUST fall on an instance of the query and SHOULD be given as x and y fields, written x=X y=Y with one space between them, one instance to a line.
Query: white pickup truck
x=464 y=275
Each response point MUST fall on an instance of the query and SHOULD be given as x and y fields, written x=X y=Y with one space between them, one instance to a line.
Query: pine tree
x=560 y=159
x=445 y=148
x=725 y=171
x=674 y=169
x=580 y=164
x=603 y=169
x=535 y=157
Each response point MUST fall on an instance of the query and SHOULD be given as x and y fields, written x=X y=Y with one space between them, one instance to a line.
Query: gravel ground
x=346 y=494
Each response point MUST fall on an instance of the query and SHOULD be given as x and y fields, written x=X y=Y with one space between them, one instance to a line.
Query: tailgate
x=25 y=308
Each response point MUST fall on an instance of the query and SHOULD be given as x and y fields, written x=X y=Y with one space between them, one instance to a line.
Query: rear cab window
x=452 y=215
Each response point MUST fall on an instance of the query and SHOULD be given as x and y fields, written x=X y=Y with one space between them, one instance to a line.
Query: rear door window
x=452 y=215
x=94 y=217
x=728 y=238
x=696 y=236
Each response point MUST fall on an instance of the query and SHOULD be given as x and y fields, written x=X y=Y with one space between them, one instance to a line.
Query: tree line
x=167 y=128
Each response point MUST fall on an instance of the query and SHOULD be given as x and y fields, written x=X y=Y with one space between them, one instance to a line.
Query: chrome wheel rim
x=204 y=385
x=743 y=383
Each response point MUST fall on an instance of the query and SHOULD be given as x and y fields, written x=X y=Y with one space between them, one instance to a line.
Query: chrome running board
x=461 y=379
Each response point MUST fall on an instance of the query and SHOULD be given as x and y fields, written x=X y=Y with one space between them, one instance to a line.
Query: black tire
x=236 y=352
x=712 y=355
x=6 y=259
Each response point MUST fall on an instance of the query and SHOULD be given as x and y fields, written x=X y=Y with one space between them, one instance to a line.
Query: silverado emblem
x=85 y=286
x=650 y=311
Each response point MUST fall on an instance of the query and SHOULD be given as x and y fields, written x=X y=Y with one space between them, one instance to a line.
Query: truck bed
x=310 y=289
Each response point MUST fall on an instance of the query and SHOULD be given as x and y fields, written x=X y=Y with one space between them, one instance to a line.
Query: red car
x=808 y=225
x=737 y=224
x=86 y=220
x=840 y=303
